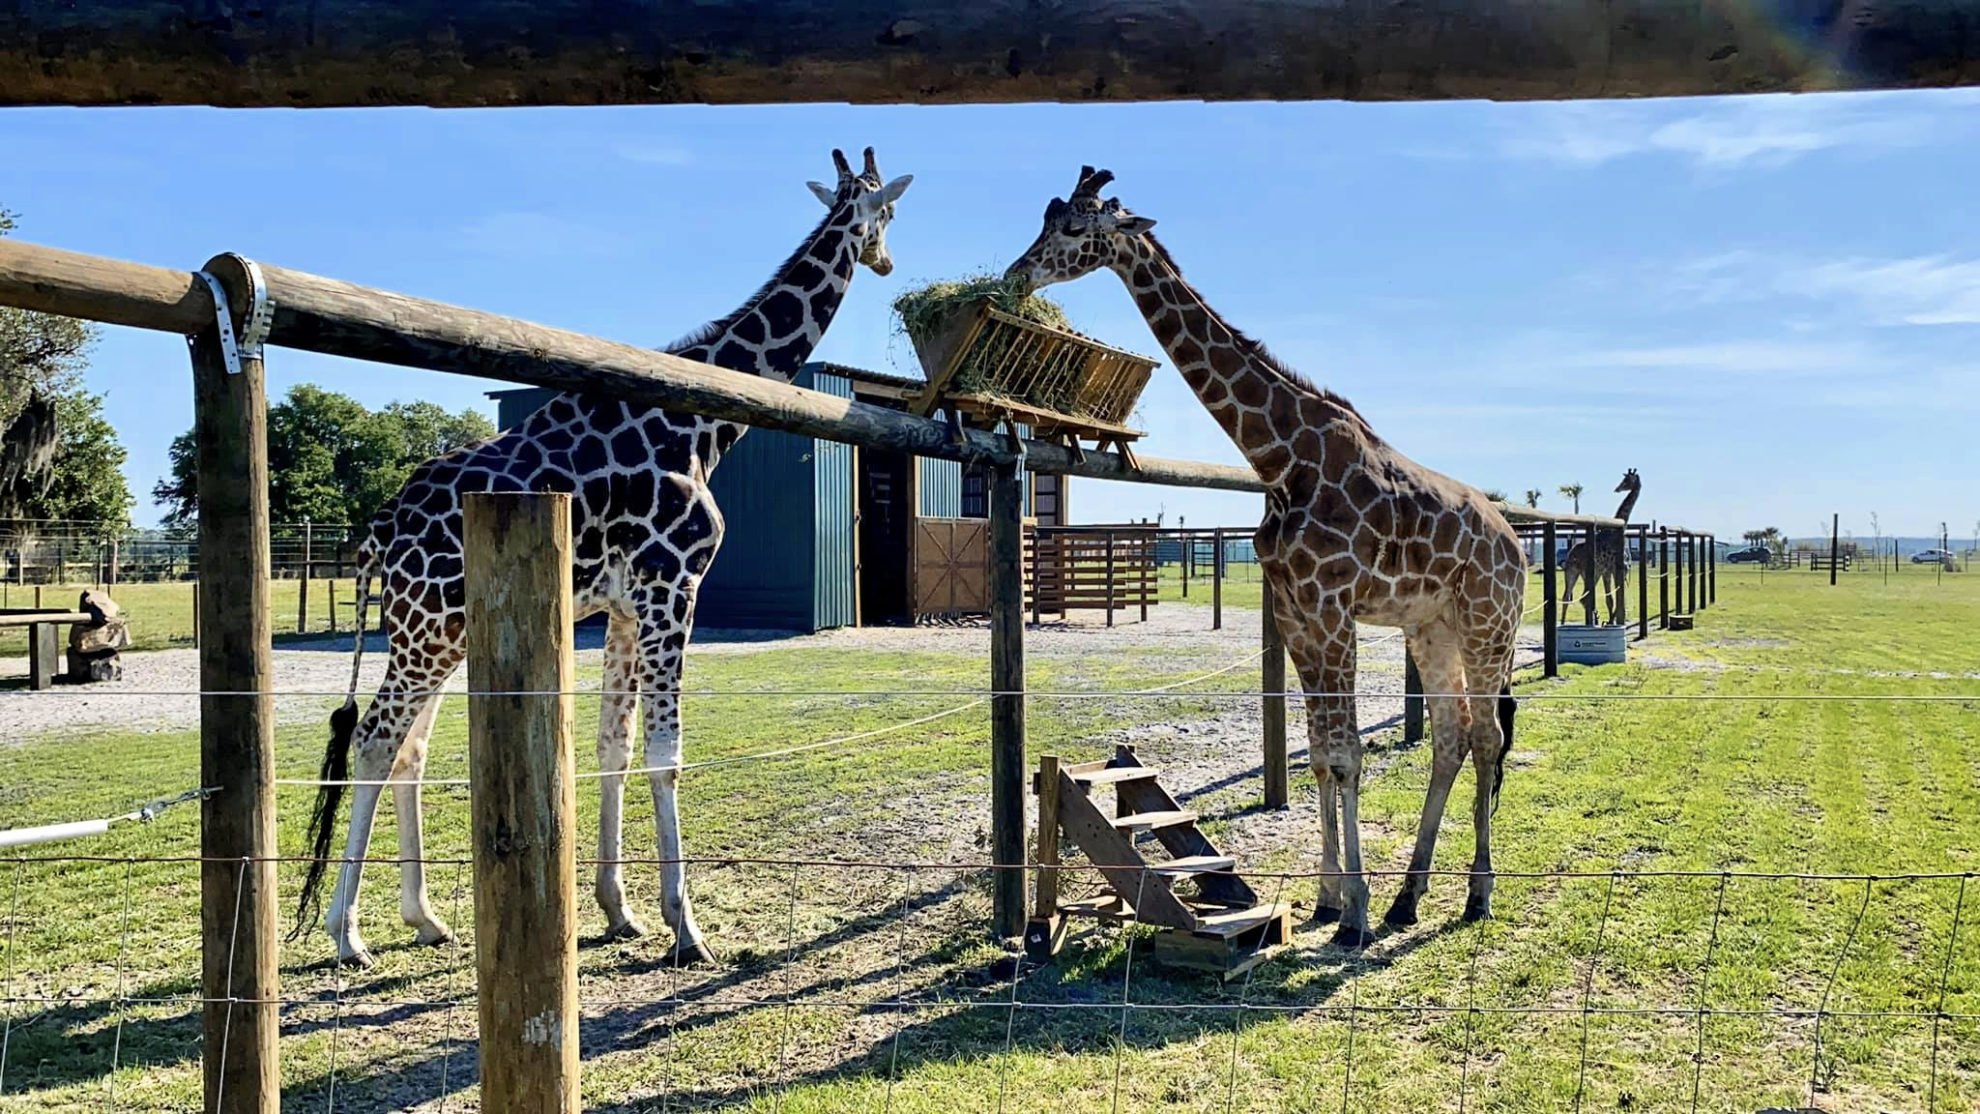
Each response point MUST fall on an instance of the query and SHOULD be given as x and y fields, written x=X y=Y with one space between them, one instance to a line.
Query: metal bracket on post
x=254 y=329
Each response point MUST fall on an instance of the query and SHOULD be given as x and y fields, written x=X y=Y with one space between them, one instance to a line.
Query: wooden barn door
x=951 y=566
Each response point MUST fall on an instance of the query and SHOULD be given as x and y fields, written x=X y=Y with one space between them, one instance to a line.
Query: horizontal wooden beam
x=315 y=53
x=337 y=318
x=18 y=618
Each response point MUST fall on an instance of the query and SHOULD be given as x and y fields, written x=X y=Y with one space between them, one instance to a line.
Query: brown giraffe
x=644 y=529
x=1353 y=530
x=1609 y=560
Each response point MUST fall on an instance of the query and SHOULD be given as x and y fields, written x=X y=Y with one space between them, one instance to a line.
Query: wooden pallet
x=1210 y=917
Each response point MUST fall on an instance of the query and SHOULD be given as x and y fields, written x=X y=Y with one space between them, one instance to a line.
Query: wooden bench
x=44 y=645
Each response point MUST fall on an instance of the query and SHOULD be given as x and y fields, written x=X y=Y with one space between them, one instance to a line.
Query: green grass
x=913 y=1007
x=161 y=613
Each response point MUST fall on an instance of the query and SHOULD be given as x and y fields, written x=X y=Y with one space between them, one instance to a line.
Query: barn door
x=951 y=566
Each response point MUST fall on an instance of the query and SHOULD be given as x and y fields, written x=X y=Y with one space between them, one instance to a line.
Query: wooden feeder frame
x=1103 y=382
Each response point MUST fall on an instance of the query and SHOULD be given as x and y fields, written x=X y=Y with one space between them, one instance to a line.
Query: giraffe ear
x=893 y=190
x=1135 y=226
x=823 y=193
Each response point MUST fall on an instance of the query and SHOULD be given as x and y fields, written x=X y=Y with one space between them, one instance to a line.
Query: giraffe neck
x=1628 y=503
x=1261 y=407
x=774 y=332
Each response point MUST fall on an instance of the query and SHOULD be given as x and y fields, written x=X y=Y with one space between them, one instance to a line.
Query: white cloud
x=531 y=236
x=1746 y=131
x=1737 y=357
x=649 y=153
x=1914 y=290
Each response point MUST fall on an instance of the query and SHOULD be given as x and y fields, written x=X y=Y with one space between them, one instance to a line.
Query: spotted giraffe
x=644 y=529
x=1353 y=530
x=1609 y=560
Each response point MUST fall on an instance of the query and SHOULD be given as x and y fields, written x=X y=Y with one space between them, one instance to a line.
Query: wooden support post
x=1550 y=617
x=1007 y=765
x=1044 y=935
x=523 y=799
x=195 y=615
x=239 y=978
x=302 y=586
x=44 y=650
x=1217 y=579
x=1711 y=569
x=1188 y=559
x=1110 y=578
x=1642 y=583
x=1412 y=699
x=330 y=597
x=1272 y=681
x=1663 y=578
x=1835 y=545
x=1593 y=540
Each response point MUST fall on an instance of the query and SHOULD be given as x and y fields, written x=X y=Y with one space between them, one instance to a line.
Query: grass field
x=857 y=989
x=161 y=613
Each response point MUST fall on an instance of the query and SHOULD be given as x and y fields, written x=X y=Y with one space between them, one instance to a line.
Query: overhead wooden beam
x=315 y=53
x=336 y=318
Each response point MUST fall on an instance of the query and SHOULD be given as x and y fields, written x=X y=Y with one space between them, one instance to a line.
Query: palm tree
x=1495 y=495
x=1573 y=491
x=1533 y=497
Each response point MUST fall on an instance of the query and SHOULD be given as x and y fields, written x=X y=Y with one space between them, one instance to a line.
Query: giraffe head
x=1082 y=233
x=1630 y=481
x=863 y=203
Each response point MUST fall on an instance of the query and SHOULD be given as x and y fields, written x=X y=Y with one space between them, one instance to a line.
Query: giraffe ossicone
x=644 y=529
x=1353 y=530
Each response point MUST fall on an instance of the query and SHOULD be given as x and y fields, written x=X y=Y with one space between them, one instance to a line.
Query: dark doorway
x=886 y=514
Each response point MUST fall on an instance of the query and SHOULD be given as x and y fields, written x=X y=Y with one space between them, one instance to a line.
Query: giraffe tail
x=335 y=770
x=1507 y=708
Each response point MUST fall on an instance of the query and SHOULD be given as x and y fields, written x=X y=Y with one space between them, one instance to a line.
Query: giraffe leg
x=662 y=645
x=414 y=907
x=1305 y=652
x=615 y=726
x=1336 y=748
x=1439 y=661
x=1489 y=744
x=379 y=736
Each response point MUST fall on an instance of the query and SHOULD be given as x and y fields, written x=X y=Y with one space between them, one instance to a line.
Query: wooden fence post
x=1412 y=699
x=1110 y=577
x=1663 y=578
x=517 y=548
x=1642 y=583
x=1593 y=540
x=1272 y=681
x=1711 y=569
x=1041 y=936
x=302 y=587
x=1217 y=579
x=1550 y=619
x=240 y=981
x=1007 y=765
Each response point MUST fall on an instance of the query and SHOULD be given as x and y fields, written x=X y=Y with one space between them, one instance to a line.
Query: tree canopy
x=331 y=459
x=43 y=356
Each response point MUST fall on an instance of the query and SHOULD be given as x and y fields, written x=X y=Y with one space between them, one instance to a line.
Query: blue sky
x=1769 y=306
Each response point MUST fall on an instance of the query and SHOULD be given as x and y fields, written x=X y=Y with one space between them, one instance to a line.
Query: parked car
x=1931 y=556
x=1751 y=555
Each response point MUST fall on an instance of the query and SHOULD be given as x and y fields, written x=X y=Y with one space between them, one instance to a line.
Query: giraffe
x=1608 y=551
x=1353 y=530
x=644 y=530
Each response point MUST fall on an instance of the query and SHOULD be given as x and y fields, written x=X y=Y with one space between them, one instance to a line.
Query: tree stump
x=94 y=646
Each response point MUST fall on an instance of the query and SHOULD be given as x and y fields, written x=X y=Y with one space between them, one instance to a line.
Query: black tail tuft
x=323 y=819
x=1507 y=707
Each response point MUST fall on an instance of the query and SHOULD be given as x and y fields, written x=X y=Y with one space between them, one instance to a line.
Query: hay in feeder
x=986 y=368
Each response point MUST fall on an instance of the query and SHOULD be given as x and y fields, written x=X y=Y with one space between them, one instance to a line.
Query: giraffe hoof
x=690 y=954
x=359 y=960
x=1354 y=939
x=629 y=930
x=434 y=937
x=1325 y=914
x=1477 y=909
x=1403 y=913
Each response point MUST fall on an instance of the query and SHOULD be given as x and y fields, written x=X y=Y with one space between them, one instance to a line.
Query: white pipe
x=49 y=833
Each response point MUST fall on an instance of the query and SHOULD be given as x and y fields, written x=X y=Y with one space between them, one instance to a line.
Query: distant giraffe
x=644 y=529
x=1609 y=560
x=1353 y=530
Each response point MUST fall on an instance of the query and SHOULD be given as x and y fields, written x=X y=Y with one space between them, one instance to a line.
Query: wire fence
x=867 y=976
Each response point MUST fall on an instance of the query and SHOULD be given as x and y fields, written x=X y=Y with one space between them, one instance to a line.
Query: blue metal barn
x=820 y=534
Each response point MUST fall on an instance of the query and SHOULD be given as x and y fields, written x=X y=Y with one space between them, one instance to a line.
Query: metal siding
x=511 y=407
x=941 y=488
x=759 y=580
x=832 y=517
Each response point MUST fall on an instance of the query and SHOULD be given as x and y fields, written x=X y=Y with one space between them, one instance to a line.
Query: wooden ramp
x=1159 y=869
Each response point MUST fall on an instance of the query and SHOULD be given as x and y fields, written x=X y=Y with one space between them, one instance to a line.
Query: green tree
x=44 y=355
x=330 y=459
x=1533 y=497
x=1573 y=491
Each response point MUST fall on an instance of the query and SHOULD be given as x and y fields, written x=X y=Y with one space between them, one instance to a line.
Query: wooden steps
x=1216 y=924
